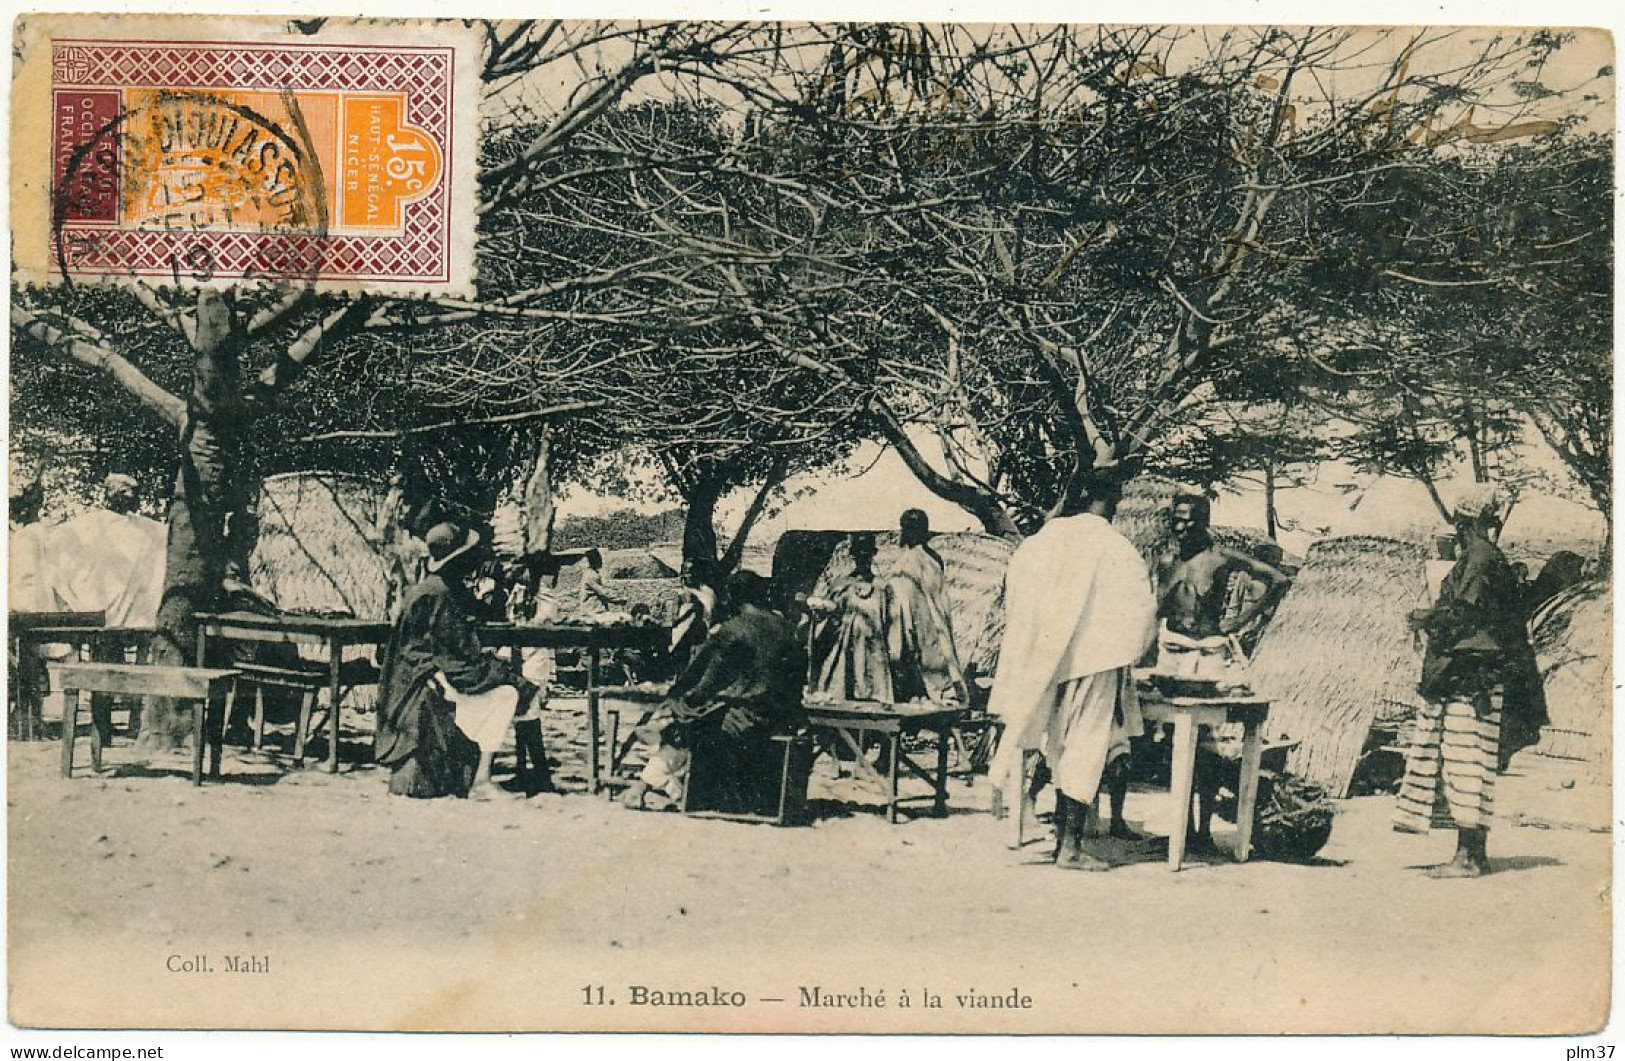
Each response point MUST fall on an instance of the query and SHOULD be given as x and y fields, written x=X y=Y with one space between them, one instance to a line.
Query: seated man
x=715 y=729
x=444 y=704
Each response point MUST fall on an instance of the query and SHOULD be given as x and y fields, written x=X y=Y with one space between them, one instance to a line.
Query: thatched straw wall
x=1340 y=651
x=1142 y=515
x=320 y=549
x=1573 y=639
x=975 y=566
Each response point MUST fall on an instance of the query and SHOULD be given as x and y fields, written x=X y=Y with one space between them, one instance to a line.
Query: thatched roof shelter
x=1339 y=652
x=1573 y=639
x=324 y=545
x=799 y=559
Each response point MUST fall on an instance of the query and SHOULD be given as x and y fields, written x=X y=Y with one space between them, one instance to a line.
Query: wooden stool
x=196 y=684
x=786 y=805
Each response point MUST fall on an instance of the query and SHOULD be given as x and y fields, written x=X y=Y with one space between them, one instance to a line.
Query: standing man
x=925 y=664
x=1478 y=646
x=1193 y=580
x=1079 y=613
x=1201 y=626
x=444 y=704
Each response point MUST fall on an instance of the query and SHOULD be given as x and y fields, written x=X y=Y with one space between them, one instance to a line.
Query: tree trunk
x=211 y=531
x=735 y=553
x=1475 y=445
x=699 y=523
x=1270 y=521
x=522 y=524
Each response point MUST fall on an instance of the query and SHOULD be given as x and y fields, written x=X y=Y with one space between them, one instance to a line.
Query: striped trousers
x=1450 y=768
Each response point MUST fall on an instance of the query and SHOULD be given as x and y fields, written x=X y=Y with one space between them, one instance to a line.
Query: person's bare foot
x=632 y=798
x=1119 y=830
x=1458 y=868
x=1076 y=859
x=489 y=793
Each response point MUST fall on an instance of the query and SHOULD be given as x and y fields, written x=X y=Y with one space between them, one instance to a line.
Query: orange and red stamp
x=344 y=158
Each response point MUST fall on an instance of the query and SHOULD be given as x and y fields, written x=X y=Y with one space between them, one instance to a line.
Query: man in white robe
x=1079 y=613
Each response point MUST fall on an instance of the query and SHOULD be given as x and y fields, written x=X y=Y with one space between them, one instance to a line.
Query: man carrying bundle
x=1478 y=646
x=1079 y=613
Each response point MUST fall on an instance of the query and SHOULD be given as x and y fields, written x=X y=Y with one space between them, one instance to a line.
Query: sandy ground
x=130 y=893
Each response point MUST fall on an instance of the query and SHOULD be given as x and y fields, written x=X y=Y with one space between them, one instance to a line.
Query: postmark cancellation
x=342 y=157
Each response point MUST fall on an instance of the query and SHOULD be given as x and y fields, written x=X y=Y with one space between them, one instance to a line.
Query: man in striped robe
x=1482 y=691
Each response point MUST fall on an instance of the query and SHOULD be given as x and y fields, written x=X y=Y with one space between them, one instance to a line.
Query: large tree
x=1486 y=308
x=243 y=347
x=1061 y=247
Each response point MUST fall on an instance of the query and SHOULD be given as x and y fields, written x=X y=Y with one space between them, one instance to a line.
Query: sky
x=1335 y=500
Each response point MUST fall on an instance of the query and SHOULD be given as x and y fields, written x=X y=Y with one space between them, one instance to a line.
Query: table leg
x=32 y=678
x=335 y=659
x=895 y=744
x=98 y=711
x=307 y=706
x=70 y=723
x=200 y=709
x=1247 y=799
x=1183 y=781
x=1019 y=810
x=217 y=731
x=944 y=738
x=138 y=705
x=595 y=780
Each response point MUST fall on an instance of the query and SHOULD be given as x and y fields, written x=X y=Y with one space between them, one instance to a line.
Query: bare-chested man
x=1193 y=577
x=1201 y=621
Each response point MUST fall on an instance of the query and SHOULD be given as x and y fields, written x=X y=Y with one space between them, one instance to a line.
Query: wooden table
x=593 y=639
x=1187 y=714
x=85 y=631
x=196 y=684
x=848 y=720
x=331 y=635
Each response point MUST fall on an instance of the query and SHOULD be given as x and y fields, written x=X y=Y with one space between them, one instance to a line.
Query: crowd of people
x=1082 y=609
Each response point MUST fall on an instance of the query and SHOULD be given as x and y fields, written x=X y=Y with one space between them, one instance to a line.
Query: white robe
x=112 y=563
x=1078 y=602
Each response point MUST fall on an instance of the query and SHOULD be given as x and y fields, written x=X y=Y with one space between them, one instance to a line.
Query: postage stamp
x=343 y=158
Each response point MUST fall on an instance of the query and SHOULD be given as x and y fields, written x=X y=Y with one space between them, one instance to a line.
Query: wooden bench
x=307 y=680
x=199 y=685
